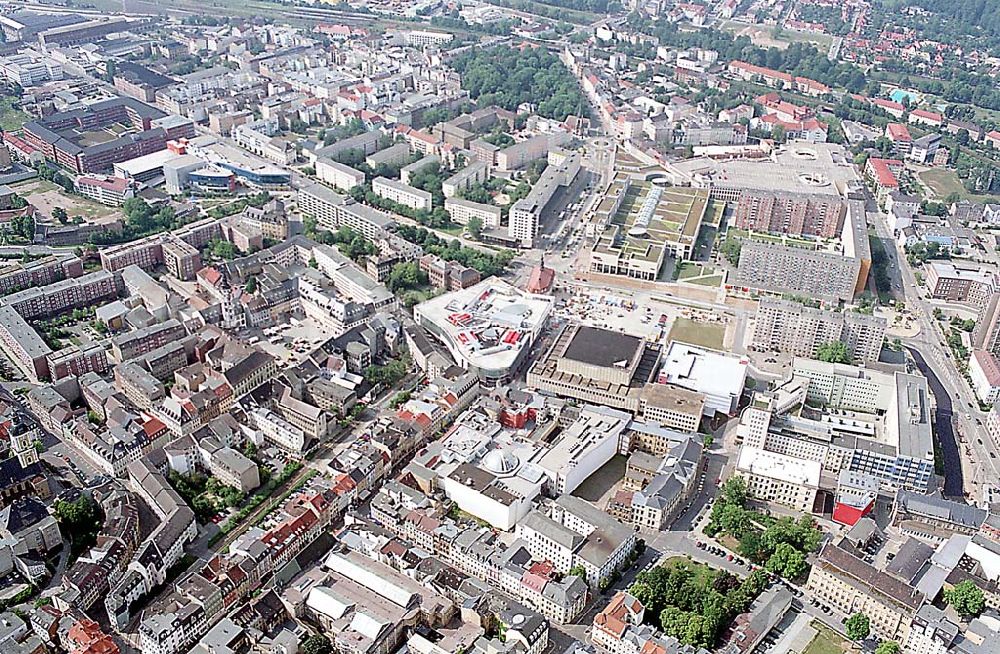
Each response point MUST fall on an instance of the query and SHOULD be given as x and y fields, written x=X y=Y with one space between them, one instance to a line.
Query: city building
x=615 y=370
x=717 y=376
x=947 y=281
x=462 y=211
x=984 y=372
x=337 y=174
x=818 y=215
x=403 y=194
x=639 y=223
x=841 y=578
x=526 y=215
x=488 y=328
x=576 y=533
x=829 y=274
x=332 y=211
x=795 y=328
x=62 y=137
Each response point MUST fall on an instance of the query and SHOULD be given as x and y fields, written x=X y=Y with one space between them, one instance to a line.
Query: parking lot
x=292 y=341
x=643 y=316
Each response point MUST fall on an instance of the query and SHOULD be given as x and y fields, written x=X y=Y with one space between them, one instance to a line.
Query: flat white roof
x=146 y=163
x=704 y=371
x=778 y=466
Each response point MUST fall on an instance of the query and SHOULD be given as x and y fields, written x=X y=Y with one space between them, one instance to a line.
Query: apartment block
x=181 y=259
x=23 y=344
x=793 y=328
x=40 y=272
x=338 y=175
x=65 y=295
x=332 y=211
x=403 y=194
x=132 y=344
x=475 y=173
x=790 y=213
x=76 y=361
x=522 y=153
x=462 y=211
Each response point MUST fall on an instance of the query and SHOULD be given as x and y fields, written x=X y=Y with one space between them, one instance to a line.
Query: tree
x=888 y=647
x=734 y=491
x=251 y=286
x=731 y=249
x=787 y=561
x=223 y=250
x=734 y=520
x=475 y=227
x=579 y=571
x=60 y=215
x=833 y=352
x=79 y=512
x=750 y=546
x=508 y=77
x=966 y=598
x=317 y=644
x=406 y=276
x=858 y=626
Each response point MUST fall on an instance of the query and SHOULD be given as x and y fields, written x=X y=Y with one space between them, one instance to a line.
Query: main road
x=959 y=422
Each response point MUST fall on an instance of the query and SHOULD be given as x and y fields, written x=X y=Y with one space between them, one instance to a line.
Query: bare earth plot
x=47 y=196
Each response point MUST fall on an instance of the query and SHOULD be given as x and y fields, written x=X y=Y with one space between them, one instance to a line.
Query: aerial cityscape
x=499 y=327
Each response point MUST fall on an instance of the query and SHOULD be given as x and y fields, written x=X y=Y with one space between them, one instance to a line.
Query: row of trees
x=436 y=218
x=487 y=264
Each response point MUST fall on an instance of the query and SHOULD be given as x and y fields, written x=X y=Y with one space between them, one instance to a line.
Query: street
x=965 y=475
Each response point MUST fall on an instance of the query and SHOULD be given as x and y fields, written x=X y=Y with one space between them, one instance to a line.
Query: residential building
x=338 y=175
x=984 y=372
x=462 y=211
x=403 y=194
x=795 y=214
x=841 y=578
x=794 y=328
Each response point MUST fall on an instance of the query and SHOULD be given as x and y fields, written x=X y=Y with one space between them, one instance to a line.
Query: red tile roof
x=898 y=132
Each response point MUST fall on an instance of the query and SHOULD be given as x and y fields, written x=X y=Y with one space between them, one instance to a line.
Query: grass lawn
x=46 y=196
x=714 y=213
x=545 y=9
x=11 y=118
x=708 y=335
x=943 y=182
x=766 y=36
x=454 y=230
x=825 y=642
x=713 y=280
x=688 y=270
